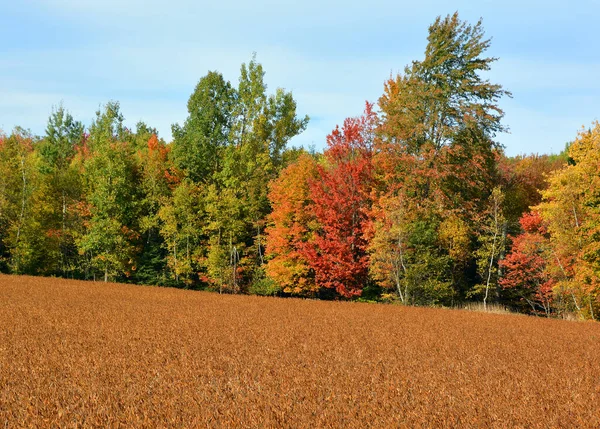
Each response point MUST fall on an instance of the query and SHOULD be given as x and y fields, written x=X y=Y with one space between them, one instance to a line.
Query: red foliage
x=533 y=223
x=83 y=148
x=154 y=144
x=525 y=265
x=340 y=201
x=54 y=233
x=157 y=164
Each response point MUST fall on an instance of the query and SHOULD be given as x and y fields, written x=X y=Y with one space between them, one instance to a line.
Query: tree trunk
x=22 y=214
x=63 y=257
x=500 y=258
x=175 y=260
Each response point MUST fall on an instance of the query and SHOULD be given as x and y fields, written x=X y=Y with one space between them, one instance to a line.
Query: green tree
x=234 y=143
x=262 y=127
x=181 y=226
x=64 y=137
x=198 y=144
x=21 y=235
x=110 y=178
x=157 y=178
x=492 y=242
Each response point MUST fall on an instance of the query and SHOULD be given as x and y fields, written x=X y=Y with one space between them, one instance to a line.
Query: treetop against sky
x=149 y=55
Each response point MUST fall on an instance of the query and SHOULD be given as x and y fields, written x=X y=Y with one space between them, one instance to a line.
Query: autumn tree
x=522 y=178
x=527 y=276
x=341 y=201
x=291 y=225
x=436 y=162
x=570 y=209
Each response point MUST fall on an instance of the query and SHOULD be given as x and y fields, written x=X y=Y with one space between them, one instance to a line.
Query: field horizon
x=76 y=353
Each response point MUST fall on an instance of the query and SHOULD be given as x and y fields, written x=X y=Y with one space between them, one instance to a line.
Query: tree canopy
x=413 y=202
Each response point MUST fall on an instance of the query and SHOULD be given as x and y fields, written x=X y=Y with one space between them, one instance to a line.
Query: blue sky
x=149 y=54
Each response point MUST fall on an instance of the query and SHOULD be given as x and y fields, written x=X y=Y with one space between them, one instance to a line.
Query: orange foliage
x=290 y=226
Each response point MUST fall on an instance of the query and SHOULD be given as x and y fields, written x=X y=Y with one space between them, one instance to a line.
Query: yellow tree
x=571 y=209
x=22 y=207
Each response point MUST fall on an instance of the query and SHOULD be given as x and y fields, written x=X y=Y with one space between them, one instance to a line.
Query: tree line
x=414 y=201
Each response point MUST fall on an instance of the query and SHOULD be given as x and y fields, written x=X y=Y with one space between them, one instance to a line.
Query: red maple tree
x=341 y=199
x=525 y=265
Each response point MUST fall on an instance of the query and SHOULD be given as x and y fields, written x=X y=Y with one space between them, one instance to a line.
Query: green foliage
x=21 y=204
x=233 y=142
x=180 y=228
x=427 y=277
x=110 y=176
x=218 y=266
x=262 y=284
x=63 y=135
x=198 y=144
x=63 y=191
x=450 y=76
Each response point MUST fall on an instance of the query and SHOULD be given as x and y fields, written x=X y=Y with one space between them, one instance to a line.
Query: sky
x=333 y=56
